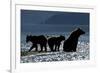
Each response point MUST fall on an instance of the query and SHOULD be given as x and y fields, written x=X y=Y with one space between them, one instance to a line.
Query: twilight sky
x=52 y=22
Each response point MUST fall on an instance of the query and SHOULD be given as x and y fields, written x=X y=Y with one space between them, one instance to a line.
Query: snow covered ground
x=81 y=54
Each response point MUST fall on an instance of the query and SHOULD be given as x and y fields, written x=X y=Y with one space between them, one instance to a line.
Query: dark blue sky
x=52 y=21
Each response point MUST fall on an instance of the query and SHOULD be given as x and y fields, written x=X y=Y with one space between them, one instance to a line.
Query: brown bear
x=41 y=40
x=55 y=42
x=70 y=44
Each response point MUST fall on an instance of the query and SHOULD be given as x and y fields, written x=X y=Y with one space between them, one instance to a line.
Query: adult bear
x=54 y=42
x=70 y=44
x=41 y=40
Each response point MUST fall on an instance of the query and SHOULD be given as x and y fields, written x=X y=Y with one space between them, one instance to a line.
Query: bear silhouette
x=70 y=44
x=41 y=40
x=55 y=42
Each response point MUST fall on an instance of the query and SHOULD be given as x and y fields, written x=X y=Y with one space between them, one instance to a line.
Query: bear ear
x=61 y=35
x=78 y=28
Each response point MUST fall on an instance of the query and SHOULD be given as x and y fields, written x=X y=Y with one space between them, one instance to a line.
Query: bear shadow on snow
x=70 y=44
x=55 y=42
x=41 y=40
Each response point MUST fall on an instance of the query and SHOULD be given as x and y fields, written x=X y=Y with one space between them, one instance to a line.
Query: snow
x=81 y=54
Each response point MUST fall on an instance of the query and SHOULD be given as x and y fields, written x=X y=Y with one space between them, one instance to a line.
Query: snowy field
x=81 y=54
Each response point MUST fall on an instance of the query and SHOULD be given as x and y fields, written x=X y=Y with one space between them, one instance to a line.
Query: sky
x=52 y=22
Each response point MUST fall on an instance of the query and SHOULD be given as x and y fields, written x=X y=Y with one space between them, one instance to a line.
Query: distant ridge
x=68 y=18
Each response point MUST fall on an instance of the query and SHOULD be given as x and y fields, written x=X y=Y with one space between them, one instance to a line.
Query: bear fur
x=41 y=40
x=70 y=44
x=55 y=42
